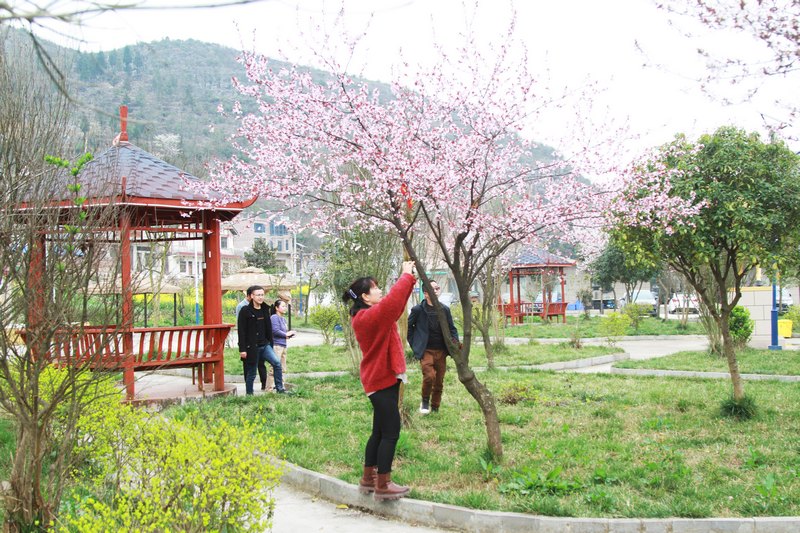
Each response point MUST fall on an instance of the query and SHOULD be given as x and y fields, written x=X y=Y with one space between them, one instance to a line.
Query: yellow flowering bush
x=144 y=472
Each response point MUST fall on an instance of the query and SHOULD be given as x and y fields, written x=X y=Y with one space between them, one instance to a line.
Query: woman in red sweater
x=383 y=367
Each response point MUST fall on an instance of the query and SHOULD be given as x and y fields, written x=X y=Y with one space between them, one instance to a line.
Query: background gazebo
x=153 y=201
x=536 y=263
x=249 y=276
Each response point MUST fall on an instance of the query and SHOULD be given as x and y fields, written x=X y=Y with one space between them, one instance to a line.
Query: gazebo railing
x=150 y=349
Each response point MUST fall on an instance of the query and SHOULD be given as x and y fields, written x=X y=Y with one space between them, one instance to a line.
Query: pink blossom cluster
x=442 y=149
x=645 y=196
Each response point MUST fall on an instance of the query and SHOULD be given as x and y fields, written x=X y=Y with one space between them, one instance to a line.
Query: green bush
x=144 y=472
x=741 y=326
x=635 y=312
x=793 y=314
x=743 y=409
x=614 y=325
x=325 y=318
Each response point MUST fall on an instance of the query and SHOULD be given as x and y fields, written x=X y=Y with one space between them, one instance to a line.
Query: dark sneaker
x=286 y=392
x=424 y=407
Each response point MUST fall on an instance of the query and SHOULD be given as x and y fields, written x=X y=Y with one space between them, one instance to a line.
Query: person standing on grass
x=262 y=367
x=255 y=339
x=280 y=335
x=428 y=344
x=383 y=369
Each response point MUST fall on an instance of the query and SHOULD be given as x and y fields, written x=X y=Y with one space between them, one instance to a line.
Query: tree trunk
x=487 y=343
x=27 y=505
x=485 y=400
x=730 y=355
x=478 y=390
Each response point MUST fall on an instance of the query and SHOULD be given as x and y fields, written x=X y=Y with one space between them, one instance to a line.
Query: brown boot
x=386 y=490
x=367 y=483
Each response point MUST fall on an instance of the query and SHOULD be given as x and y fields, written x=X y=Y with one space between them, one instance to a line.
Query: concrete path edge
x=445 y=516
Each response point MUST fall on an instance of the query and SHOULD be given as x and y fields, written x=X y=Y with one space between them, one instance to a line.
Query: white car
x=683 y=302
x=643 y=297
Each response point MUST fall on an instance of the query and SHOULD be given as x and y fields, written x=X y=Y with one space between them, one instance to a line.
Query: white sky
x=576 y=39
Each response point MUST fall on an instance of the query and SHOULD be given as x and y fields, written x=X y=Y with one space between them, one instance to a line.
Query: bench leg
x=209 y=372
x=200 y=377
x=219 y=376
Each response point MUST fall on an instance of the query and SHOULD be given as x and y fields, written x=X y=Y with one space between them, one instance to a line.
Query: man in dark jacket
x=428 y=344
x=255 y=339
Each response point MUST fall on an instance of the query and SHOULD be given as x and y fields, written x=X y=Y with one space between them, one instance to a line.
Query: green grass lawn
x=751 y=361
x=589 y=328
x=575 y=444
x=331 y=358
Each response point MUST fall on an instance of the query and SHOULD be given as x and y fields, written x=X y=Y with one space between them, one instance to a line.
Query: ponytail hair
x=354 y=292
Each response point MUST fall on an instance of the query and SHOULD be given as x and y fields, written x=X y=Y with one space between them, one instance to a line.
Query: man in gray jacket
x=428 y=344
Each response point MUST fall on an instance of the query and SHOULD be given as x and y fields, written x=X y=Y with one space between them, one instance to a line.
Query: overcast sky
x=646 y=67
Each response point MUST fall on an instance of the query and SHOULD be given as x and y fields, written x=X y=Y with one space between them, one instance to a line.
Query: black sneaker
x=286 y=392
x=424 y=407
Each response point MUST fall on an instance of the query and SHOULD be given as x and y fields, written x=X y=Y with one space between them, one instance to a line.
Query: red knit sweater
x=383 y=357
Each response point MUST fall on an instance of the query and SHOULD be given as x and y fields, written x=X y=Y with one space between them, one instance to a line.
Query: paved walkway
x=311 y=502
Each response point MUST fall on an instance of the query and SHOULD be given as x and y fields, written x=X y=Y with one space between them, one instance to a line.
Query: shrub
x=325 y=318
x=741 y=326
x=144 y=472
x=744 y=409
x=635 y=312
x=614 y=325
x=793 y=314
x=585 y=296
x=575 y=340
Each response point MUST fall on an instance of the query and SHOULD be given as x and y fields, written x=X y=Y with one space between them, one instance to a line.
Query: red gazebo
x=152 y=203
x=538 y=263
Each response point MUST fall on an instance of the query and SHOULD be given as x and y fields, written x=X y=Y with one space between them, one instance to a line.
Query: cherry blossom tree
x=762 y=49
x=440 y=161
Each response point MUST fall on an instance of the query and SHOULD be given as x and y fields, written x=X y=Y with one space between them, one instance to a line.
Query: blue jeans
x=263 y=353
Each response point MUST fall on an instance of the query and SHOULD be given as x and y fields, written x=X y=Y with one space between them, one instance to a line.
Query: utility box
x=785 y=329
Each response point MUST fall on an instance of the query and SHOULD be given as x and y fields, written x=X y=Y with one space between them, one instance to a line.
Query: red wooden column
x=212 y=290
x=127 y=302
x=511 y=296
x=563 y=295
x=38 y=291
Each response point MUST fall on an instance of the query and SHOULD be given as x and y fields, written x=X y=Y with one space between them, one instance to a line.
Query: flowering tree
x=741 y=209
x=439 y=161
x=769 y=49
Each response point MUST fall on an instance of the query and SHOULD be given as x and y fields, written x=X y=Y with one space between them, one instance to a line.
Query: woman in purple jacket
x=279 y=336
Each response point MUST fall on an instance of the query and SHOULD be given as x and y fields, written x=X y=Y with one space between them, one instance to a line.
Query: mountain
x=172 y=89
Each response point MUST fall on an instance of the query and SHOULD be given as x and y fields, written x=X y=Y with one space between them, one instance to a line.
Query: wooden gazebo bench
x=200 y=347
x=553 y=309
x=522 y=309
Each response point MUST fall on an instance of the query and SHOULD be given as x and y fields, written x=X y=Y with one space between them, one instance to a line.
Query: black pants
x=385 y=428
x=262 y=372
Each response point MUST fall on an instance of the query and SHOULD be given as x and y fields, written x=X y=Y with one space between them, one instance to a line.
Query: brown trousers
x=434 y=365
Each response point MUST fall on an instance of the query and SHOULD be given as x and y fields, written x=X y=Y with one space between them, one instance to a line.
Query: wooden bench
x=554 y=309
x=200 y=347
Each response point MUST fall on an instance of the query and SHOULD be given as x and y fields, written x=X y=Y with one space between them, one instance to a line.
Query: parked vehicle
x=642 y=297
x=683 y=302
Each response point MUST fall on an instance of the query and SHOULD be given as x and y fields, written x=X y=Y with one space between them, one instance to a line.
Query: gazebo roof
x=137 y=174
x=536 y=257
x=249 y=276
x=158 y=192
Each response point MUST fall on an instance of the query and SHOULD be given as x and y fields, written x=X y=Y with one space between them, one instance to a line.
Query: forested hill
x=172 y=90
